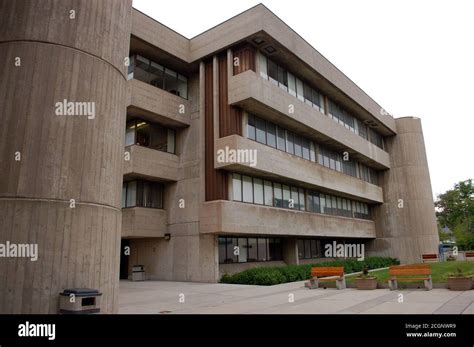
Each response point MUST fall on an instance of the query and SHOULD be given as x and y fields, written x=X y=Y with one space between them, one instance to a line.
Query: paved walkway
x=167 y=297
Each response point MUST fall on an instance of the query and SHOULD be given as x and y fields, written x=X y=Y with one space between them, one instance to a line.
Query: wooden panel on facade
x=246 y=55
x=215 y=180
x=230 y=117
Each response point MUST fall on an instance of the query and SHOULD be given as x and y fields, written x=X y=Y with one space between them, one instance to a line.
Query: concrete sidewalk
x=154 y=297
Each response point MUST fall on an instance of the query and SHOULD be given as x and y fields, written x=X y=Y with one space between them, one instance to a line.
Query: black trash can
x=79 y=301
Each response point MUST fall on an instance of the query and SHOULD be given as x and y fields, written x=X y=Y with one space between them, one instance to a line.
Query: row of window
x=249 y=249
x=290 y=83
x=262 y=192
x=142 y=194
x=274 y=136
x=296 y=87
x=151 y=135
x=155 y=74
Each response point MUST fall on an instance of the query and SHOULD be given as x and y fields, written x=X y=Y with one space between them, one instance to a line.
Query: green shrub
x=267 y=276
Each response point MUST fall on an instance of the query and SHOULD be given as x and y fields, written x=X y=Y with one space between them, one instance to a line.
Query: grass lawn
x=440 y=271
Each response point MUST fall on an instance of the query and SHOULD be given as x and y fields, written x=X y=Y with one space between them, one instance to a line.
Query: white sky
x=415 y=58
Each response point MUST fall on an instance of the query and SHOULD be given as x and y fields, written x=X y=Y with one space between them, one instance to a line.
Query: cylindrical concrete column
x=61 y=168
x=406 y=222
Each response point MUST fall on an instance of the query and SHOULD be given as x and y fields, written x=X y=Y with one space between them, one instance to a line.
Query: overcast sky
x=415 y=58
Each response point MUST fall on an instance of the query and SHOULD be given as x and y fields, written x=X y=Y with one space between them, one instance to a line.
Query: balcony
x=140 y=222
x=254 y=94
x=150 y=164
x=273 y=163
x=236 y=218
x=157 y=105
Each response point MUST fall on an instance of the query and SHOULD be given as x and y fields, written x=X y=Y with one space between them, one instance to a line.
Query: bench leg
x=313 y=283
x=341 y=283
x=428 y=284
x=393 y=284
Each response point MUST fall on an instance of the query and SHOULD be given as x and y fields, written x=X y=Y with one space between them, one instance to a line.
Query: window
x=278 y=191
x=247 y=189
x=237 y=187
x=295 y=198
x=274 y=247
x=155 y=74
x=232 y=243
x=291 y=84
x=260 y=126
x=306 y=148
x=131 y=193
x=308 y=248
x=258 y=191
x=281 y=139
x=130 y=134
x=322 y=201
x=262 y=249
x=298 y=149
x=308 y=94
x=272 y=71
x=268 y=193
x=286 y=196
x=243 y=249
x=252 y=249
x=362 y=129
x=150 y=135
x=301 y=199
x=171 y=81
x=282 y=78
x=142 y=194
x=290 y=142
x=271 y=134
x=142 y=68
x=299 y=89
x=182 y=86
x=375 y=138
x=262 y=61
x=317 y=100
x=251 y=127
x=131 y=67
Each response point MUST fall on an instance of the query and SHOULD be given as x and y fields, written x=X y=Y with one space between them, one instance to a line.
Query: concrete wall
x=147 y=162
x=158 y=105
x=409 y=231
x=139 y=222
x=62 y=157
x=237 y=218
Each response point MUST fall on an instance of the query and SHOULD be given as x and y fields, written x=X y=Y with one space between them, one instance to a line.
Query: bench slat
x=327 y=271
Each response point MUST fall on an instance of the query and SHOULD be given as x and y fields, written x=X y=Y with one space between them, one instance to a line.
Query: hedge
x=267 y=276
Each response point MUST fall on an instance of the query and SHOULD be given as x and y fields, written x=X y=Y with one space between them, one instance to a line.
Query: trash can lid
x=81 y=291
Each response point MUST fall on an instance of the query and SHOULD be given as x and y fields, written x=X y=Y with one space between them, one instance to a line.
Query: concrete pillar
x=52 y=51
x=290 y=251
x=405 y=222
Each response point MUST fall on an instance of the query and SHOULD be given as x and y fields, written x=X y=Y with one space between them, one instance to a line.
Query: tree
x=455 y=209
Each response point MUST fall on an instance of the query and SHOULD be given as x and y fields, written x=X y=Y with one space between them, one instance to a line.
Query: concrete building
x=240 y=147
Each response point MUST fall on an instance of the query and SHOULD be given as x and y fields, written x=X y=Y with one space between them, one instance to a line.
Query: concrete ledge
x=230 y=217
x=255 y=94
x=149 y=163
x=274 y=163
x=157 y=105
x=143 y=222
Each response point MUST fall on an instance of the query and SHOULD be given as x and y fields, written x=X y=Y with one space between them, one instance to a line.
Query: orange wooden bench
x=318 y=273
x=416 y=272
x=427 y=258
x=469 y=255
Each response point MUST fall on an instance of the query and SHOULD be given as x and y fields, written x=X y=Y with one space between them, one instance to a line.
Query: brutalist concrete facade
x=81 y=56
